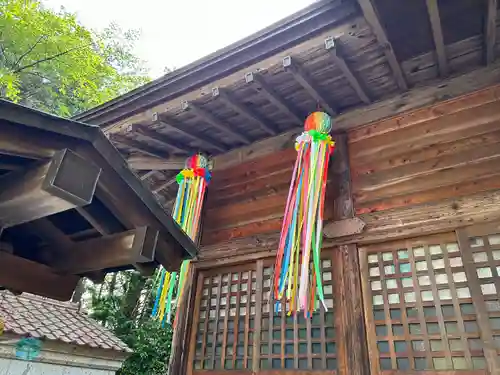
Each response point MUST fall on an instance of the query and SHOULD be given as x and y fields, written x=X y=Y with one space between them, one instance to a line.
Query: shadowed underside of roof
x=342 y=57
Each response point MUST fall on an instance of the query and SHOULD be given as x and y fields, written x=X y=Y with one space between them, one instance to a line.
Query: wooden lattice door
x=236 y=326
x=424 y=306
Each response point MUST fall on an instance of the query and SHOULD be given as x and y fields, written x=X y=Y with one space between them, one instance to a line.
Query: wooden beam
x=145 y=176
x=9 y=166
x=255 y=150
x=100 y=219
x=143 y=163
x=106 y=224
x=51 y=235
x=491 y=30
x=243 y=110
x=437 y=33
x=332 y=47
x=113 y=251
x=274 y=97
x=22 y=275
x=165 y=184
x=435 y=92
x=46 y=188
x=206 y=142
x=132 y=204
x=307 y=83
x=353 y=351
x=138 y=146
x=33 y=144
x=371 y=16
x=159 y=138
x=216 y=123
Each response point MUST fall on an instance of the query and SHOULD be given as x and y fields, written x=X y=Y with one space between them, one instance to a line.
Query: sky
x=175 y=33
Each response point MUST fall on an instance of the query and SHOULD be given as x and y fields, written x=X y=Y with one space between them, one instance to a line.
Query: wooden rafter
x=138 y=146
x=146 y=163
x=50 y=234
x=491 y=30
x=205 y=142
x=273 y=96
x=307 y=83
x=162 y=139
x=243 y=110
x=374 y=22
x=164 y=185
x=215 y=122
x=331 y=45
x=9 y=166
x=100 y=220
x=437 y=33
x=146 y=175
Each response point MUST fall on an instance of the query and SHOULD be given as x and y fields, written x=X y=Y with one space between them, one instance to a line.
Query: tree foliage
x=123 y=303
x=51 y=62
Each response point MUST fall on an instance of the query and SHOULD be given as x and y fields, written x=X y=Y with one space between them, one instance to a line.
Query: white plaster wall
x=18 y=367
x=59 y=359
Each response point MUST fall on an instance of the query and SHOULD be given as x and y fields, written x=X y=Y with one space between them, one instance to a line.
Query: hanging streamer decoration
x=301 y=232
x=192 y=180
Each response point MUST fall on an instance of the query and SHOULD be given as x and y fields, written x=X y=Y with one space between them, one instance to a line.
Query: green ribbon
x=179 y=178
x=318 y=136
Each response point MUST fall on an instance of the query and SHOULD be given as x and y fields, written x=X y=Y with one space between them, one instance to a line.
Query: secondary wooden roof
x=70 y=205
x=359 y=60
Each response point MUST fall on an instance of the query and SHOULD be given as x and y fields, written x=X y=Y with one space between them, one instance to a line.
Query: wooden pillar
x=350 y=324
x=178 y=362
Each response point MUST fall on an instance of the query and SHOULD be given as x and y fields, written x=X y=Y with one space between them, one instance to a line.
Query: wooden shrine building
x=411 y=255
x=71 y=207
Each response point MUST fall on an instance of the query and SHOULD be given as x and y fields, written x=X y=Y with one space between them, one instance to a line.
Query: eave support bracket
x=344 y=228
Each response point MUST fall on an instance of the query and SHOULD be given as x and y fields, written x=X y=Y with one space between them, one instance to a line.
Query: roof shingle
x=44 y=318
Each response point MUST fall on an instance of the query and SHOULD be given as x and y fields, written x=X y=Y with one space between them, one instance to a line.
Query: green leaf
x=51 y=62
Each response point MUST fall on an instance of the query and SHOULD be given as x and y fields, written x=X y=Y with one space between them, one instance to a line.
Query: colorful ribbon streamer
x=302 y=229
x=192 y=182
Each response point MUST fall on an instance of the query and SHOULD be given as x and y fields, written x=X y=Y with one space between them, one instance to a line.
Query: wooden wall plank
x=447 y=177
x=432 y=195
x=444 y=151
x=430 y=152
x=260 y=166
x=427 y=167
x=426 y=132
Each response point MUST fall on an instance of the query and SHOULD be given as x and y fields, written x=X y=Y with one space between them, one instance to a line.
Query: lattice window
x=237 y=327
x=422 y=314
x=485 y=262
x=294 y=342
x=226 y=321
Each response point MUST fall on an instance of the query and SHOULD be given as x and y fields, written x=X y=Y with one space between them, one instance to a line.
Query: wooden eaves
x=351 y=58
x=70 y=206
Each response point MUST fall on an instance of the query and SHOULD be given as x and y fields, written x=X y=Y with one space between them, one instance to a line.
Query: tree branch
x=50 y=58
x=3 y=53
x=29 y=50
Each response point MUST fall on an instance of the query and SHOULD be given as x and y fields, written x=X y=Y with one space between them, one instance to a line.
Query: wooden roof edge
x=298 y=27
x=94 y=135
